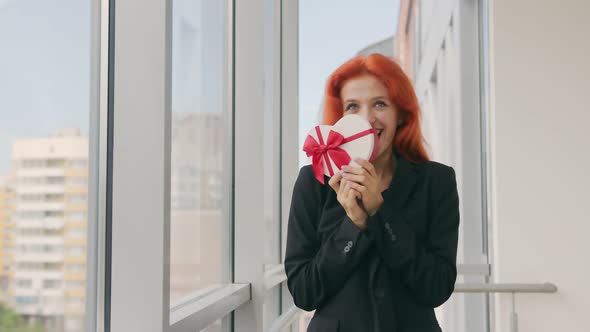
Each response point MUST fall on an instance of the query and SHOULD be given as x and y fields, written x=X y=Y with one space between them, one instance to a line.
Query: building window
x=51 y=283
x=26 y=300
x=76 y=268
x=24 y=283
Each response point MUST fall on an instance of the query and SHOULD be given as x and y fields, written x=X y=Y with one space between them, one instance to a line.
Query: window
x=76 y=199
x=76 y=251
x=32 y=180
x=76 y=232
x=31 y=214
x=76 y=215
x=24 y=283
x=52 y=266
x=32 y=163
x=75 y=284
x=51 y=283
x=55 y=162
x=199 y=115
x=45 y=101
x=54 y=214
x=26 y=300
x=76 y=181
x=31 y=197
x=55 y=180
x=75 y=268
x=78 y=164
x=39 y=248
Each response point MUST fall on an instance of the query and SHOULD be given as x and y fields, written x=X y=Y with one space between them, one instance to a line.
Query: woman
x=375 y=249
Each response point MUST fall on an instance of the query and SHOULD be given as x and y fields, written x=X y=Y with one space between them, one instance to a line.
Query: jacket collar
x=404 y=179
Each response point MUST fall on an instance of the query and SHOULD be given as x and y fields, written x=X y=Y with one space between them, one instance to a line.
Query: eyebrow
x=354 y=100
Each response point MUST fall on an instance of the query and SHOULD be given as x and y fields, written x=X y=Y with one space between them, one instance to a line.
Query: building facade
x=439 y=45
x=6 y=236
x=50 y=227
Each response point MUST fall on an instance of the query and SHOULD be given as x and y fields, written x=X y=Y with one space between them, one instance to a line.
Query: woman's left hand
x=364 y=179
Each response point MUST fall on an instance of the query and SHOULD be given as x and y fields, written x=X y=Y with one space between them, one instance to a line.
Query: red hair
x=408 y=140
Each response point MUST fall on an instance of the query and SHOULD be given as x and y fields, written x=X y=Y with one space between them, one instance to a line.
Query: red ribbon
x=330 y=150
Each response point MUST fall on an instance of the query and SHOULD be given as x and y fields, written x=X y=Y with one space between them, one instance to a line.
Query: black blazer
x=387 y=278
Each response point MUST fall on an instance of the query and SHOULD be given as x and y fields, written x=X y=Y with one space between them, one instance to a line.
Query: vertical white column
x=248 y=154
x=140 y=171
x=290 y=123
x=97 y=184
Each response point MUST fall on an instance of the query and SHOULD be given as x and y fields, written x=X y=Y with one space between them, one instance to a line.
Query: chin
x=381 y=153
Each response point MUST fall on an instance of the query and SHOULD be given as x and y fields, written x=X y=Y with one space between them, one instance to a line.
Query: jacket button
x=379 y=293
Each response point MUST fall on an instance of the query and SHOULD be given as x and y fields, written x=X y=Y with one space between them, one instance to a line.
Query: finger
x=356 y=178
x=341 y=189
x=358 y=170
x=343 y=195
x=355 y=197
x=335 y=181
x=351 y=194
x=358 y=188
x=367 y=166
x=346 y=190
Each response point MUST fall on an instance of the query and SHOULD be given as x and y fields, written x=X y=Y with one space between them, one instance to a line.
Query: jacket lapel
x=404 y=179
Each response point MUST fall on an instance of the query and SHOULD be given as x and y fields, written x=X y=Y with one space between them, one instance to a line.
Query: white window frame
x=127 y=274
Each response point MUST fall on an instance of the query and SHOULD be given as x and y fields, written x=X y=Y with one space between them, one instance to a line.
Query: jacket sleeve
x=428 y=269
x=315 y=270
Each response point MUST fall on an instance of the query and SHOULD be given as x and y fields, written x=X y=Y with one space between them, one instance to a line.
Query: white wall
x=540 y=84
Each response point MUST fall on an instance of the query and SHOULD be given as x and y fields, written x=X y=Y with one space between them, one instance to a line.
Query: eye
x=350 y=106
x=380 y=104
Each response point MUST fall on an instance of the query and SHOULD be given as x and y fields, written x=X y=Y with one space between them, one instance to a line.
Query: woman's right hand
x=349 y=199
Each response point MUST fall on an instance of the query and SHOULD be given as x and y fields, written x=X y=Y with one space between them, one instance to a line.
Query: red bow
x=331 y=149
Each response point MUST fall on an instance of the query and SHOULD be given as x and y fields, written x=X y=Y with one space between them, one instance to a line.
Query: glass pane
x=44 y=115
x=198 y=242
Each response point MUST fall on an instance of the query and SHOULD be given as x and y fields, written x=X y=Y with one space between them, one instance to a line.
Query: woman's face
x=367 y=96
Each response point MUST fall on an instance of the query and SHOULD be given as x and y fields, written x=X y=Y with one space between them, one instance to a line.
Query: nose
x=368 y=114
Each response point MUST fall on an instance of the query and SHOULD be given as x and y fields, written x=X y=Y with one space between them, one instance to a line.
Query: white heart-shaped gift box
x=328 y=148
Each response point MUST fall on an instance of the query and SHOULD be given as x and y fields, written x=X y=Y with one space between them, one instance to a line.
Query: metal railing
x=511 y=288
x=276 y=275
x=209 y=304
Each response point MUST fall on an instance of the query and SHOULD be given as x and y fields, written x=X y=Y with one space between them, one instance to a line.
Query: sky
x=44 y=69
x=45 y=59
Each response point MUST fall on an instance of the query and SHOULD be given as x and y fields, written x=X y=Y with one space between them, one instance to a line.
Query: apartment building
x=50 y=217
